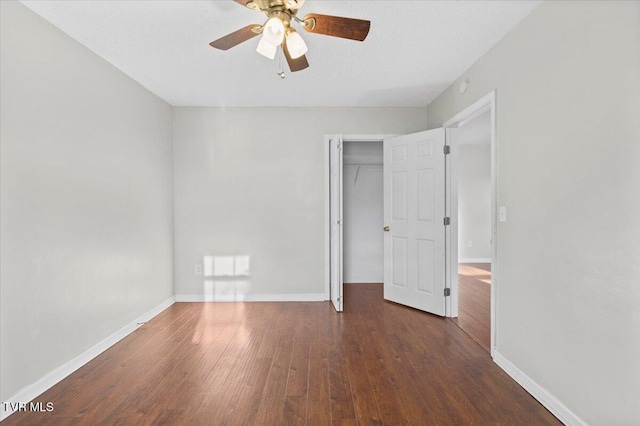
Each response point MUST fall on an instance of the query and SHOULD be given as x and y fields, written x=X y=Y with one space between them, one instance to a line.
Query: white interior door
x=335 y=212
x=414 y=210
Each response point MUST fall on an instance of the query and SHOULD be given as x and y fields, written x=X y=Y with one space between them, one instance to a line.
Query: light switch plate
x=502 y=213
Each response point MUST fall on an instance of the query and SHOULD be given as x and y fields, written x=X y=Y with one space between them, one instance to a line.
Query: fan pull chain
x=281 y=69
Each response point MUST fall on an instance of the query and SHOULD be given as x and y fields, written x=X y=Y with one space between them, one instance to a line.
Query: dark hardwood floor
x=292 y=364
x=474 y=302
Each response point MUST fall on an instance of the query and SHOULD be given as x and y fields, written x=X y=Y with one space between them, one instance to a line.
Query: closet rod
x=360 y=164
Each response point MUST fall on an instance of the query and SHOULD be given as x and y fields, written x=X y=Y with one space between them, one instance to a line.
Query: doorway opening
x=353 y=213
x=474 y=314
x=472 y=205
x=363 y=242
x=474 y=229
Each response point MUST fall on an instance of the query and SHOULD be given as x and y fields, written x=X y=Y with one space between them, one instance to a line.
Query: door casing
x=482 y=105
x=327 y=212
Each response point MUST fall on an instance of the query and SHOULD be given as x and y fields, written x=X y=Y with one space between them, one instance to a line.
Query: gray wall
x=568 y=265
x=363 y=212
x=474 y=201
x=86 y=199
x=250 y=182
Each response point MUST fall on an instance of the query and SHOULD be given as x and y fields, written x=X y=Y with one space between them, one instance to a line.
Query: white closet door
x=414 y=210
x=335 y=189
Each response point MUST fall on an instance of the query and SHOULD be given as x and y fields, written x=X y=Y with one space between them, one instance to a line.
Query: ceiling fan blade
x=236 y=37
x=297 y=64
x=337 y=26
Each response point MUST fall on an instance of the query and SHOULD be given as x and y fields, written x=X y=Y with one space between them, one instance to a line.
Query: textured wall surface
x=568 y=265
x=86 y=199
x=474 y=201
x=249 y=186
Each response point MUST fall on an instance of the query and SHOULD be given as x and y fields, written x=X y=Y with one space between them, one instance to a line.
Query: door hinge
x=447 y=221
x=446 y=149
x=447 y=292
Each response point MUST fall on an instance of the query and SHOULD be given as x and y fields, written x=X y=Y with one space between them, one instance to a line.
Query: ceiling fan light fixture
x=267 y=49
x=293 y=4
x=274 y=31
x=296 y=45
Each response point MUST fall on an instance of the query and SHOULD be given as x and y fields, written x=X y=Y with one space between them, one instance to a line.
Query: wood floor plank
x=474 y=302
x=293 y=364
x=294 y=411
x=272 y=398
x=383 y=384
x=186 y=380
x=344 y=422
x=234 y=367
x=297 y=379
x=243 y=408
x=318 y=397
x=342 y=406
x=364 y=398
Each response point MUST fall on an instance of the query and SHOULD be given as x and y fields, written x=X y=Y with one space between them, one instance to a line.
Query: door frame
x=482 y=105
x=327 y=212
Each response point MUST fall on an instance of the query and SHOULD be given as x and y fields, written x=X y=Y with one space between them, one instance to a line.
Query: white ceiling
x=415 y=49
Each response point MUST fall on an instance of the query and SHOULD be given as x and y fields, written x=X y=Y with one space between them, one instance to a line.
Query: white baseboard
x=475 y=260
x=313 y=297
x=29 y=393
x=557 y=408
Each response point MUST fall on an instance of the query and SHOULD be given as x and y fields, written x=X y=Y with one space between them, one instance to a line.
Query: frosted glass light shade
x=296 y=45
x=273 y=31
x=266 y=49
x=294 y=4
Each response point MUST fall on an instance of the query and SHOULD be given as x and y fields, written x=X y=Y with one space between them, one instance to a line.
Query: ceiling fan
x=278 y=31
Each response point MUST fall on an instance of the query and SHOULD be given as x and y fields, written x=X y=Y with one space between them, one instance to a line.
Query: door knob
x=387 y=229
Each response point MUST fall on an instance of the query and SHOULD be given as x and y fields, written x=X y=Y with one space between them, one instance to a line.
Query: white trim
x=451 y=231
x=472 y=111
x=366 y=138
x=475 y=260
x=30 y=392
x=364 y=282
x=487 y=102
x=198 y=298
x=478 y=110
x=551 y=403
x=327 y=221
